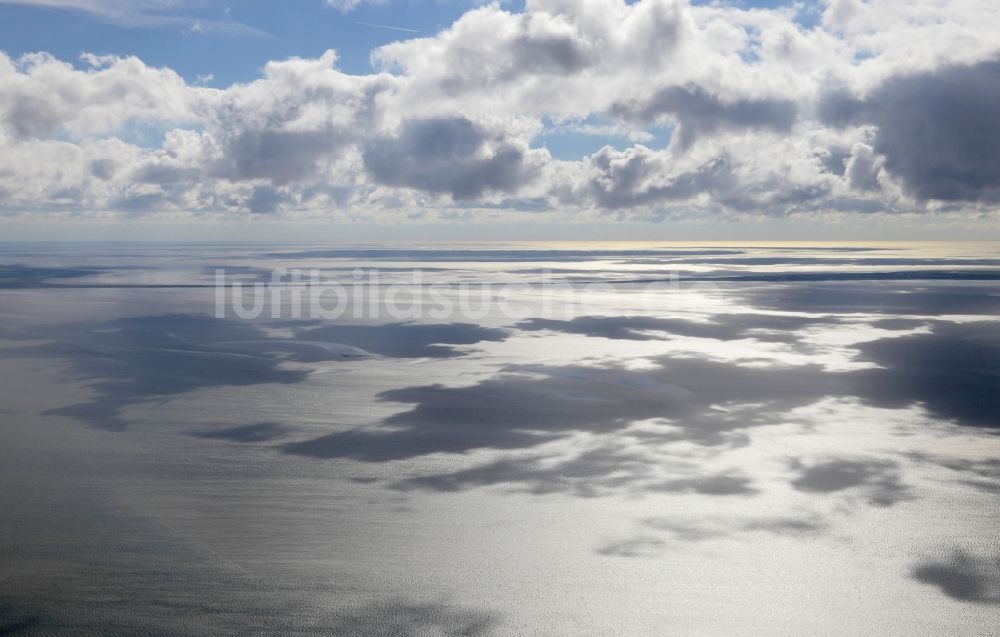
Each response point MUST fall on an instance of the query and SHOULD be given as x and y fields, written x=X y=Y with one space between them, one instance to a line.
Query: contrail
x=382 y=26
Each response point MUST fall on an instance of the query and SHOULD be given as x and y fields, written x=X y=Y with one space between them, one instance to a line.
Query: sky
x=549 y=119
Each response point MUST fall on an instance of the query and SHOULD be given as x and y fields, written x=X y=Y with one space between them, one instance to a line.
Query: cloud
x=861 y=168
x=543 y=60
x=298 y=125
x=265 y=200
x=343 y=5
x=293 y=124
x=765 y=117
x=42 y=95
x=447 y=155
x=110 y=8
x=936 y=131
x=639 y=176
x=190 y=16
x=701 y=113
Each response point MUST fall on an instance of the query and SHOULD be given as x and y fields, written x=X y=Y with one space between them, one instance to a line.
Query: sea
x=544 y=439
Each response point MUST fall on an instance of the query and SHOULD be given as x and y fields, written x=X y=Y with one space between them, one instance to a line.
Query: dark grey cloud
x=446 y=155
x=834 y=160
x=937 y=130
x=547 y=54
x=141 y=202
x=838 y=106
x=265 y=200
x=103 y=168
x=275 y=140
x=775 y=196
x=28 y=116
x=165 y=174
x=862 y=169
x=279 y=156
x=634 y=178
x=963 y=576
x=878 y=479
x=700 y=112
x=525 y=55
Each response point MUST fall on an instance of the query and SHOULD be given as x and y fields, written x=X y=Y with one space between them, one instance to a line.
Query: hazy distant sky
x=546 y=119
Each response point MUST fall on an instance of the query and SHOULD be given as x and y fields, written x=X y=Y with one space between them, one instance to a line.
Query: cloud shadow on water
x=704 y=402
x=405 y=340
x=873 y=298
x=712 y=528
x=140 y=359
x=725 y=327
x=595 y=472
x=528 y=406
x=407 y=619
x=878 y=479
x=963 y=576
x=257 y=432
x=135 y=360
x=954 y=371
